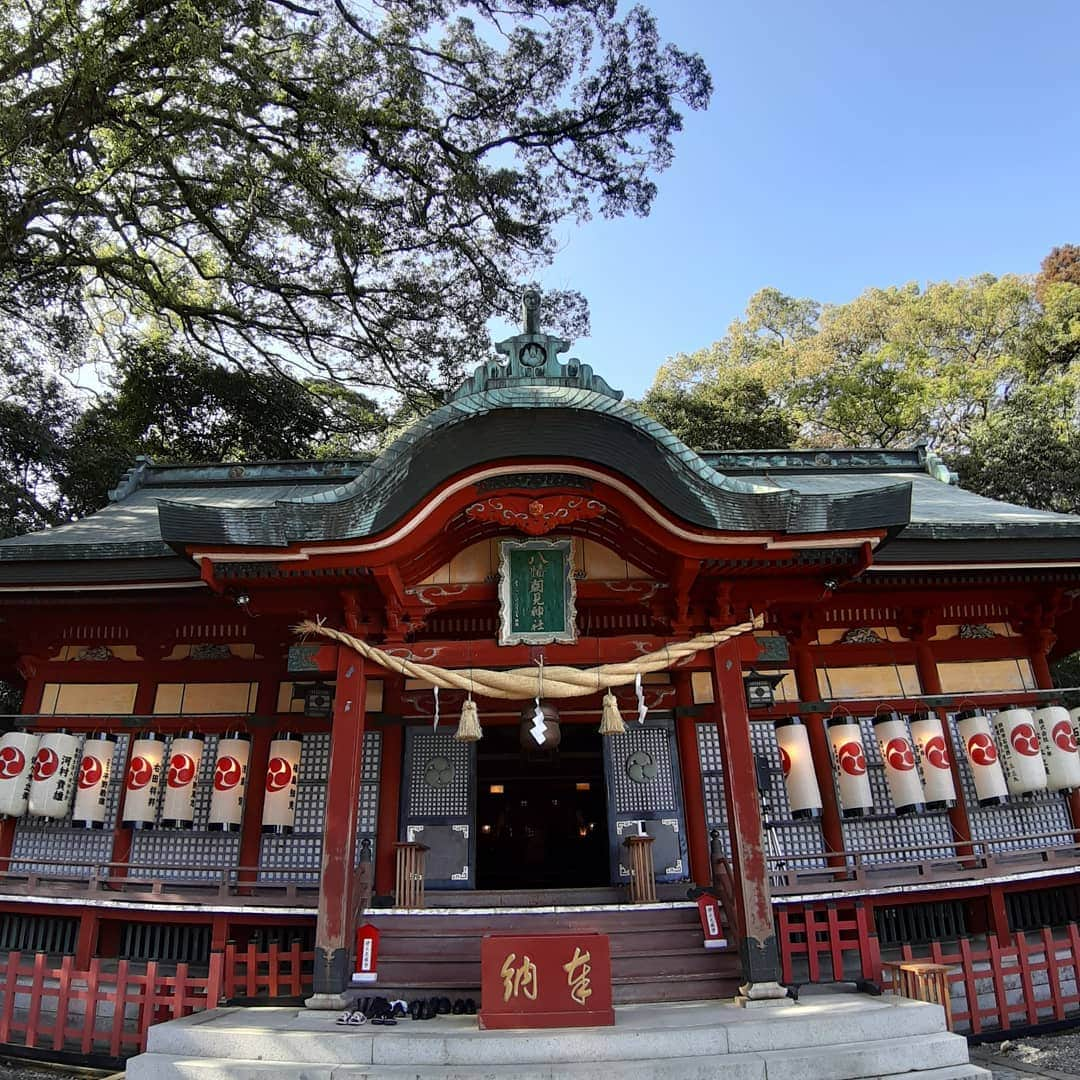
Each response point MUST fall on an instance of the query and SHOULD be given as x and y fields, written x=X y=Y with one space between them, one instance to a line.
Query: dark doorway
x=541 y=817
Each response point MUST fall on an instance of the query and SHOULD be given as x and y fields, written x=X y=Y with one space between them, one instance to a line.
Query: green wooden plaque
x=536 y=592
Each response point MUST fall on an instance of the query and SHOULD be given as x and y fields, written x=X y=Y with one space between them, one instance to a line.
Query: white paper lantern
x=178 y=803
x=898 y=755
x=142 y=785
x=230 y=783
x=92 y=787
x=849 y=765
x=928 y=733
x=804 y=795
x=1018 y=743
x=975 y=732
x=282 y=776
x=1057 y=741
x=52 y=783
x=17 y=750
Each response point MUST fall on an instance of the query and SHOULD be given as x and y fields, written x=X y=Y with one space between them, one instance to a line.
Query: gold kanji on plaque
x=520 y=979
x=577 y=975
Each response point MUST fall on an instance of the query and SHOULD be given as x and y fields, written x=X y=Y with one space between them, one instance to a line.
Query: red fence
x=827 y=942
x=106 y=1010
x=998 y=987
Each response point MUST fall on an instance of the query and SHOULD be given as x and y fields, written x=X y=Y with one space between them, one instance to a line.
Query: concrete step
x=826 y=1037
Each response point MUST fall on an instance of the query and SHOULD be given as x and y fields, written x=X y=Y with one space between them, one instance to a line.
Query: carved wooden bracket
x=536 y=516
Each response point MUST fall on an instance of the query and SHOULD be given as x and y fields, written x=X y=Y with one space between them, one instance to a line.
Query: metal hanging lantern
x=530 y=727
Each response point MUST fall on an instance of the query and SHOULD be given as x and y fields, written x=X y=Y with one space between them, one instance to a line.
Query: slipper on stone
x=357 y=1018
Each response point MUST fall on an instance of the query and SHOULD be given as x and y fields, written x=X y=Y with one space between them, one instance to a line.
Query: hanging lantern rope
x=560 y=681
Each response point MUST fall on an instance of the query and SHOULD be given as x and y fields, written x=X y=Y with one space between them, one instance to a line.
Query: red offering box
x=545 y=981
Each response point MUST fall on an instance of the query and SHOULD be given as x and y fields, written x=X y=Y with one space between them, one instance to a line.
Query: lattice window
x=784 y=835
x=296 y=857
x=1038 y=816
x=928 y=835
x=641 y=767
x=42 y=844
x=712 y=782
x=189 y=854
x=439 y=785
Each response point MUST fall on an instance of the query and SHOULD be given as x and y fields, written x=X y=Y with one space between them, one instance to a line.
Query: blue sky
x=847 y=145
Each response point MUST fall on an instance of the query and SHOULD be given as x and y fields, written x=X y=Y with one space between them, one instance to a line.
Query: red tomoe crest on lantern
x=851 y=759
x=785 y=761
x=1063 y=736
x=228 y=772
x=936 y=753
x=1024 y=740
x=12 y=762
x=278 y=774
x=899 y=755
x=89 y=771
x=45 y=763
x=181 y=770
x=139 y=773
x=981 y=749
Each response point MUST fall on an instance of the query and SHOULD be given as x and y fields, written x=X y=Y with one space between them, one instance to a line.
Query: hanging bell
x=550 y=733
x=611 y=721
x=468 y=729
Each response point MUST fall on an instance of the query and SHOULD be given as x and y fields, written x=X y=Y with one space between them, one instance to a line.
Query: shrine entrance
x=541 y=817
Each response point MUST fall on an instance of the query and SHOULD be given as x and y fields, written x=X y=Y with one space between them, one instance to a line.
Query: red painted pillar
x=757 y=947
x=334 y=928
x=697 y=825
x=121 y=849
x=261 y=728
x=389 y=797
x=930 y=681
x=807 y=685
x=31 y=704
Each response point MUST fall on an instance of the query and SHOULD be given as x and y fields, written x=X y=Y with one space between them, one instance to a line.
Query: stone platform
x=826 y=1036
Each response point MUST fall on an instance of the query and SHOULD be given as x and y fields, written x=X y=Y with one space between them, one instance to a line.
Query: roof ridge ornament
x=533 y=360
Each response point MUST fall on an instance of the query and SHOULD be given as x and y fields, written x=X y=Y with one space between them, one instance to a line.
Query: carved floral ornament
x=536 y=516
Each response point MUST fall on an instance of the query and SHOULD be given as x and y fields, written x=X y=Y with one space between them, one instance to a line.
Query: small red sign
x=545 y=981
x=367 y=954
x=712 y=925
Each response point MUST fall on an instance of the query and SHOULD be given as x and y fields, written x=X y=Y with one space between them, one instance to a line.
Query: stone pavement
x=825 y=1036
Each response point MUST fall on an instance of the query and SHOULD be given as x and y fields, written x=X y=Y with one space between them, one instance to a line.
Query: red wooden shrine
x=292 y=790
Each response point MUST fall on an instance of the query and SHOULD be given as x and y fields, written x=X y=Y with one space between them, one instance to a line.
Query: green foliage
x=734 y=415
x=59 y=457
x=348 y=188
x=1062 y=265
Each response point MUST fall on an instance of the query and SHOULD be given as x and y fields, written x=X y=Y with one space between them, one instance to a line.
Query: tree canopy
x=351 y=189
x=987 y=370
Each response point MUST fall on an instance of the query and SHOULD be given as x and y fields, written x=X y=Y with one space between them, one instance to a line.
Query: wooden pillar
x=121 y=849
x=393 y=741
x=697 y=825
x=930 y=681
x=261 y=728
x=807 y=685
x=753 y=903
x=31 y=704
x=334 y=928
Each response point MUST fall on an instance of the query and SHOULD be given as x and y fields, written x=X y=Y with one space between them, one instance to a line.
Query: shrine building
x=864 y=739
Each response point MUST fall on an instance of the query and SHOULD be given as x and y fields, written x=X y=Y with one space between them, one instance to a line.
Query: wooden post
x=121 y=848
x=753 y=903
x=262 y=735
x=389 y=788
x=697 y=825
x=409 y=874
x=642 y=873
x=930 y=681
x=333 y=930
x=807 y=685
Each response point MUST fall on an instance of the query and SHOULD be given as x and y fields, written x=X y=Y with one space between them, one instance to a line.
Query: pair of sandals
x=379 y=1010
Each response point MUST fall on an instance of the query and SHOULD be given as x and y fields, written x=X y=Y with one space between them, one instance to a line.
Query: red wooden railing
x=998 y=987
x=105 y=1010
x=835 y=942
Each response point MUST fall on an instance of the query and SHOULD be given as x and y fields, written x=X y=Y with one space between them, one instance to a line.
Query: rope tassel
x=611 y=721
x=469 y=725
